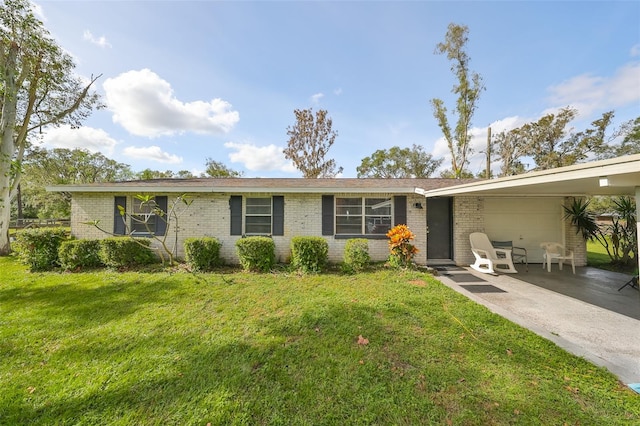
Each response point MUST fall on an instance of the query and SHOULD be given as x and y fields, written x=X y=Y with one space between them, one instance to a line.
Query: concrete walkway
x=600 y=334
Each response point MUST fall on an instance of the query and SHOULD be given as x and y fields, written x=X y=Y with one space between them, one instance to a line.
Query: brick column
x=468 y=217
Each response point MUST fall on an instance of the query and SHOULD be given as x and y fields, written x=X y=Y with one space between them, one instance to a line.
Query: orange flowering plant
x=402 y=251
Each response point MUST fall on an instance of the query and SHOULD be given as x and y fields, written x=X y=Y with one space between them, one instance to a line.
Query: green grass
x=239 y=348
x=598 y=258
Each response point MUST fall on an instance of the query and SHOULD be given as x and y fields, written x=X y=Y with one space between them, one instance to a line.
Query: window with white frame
x=143 y=217
x=363 y=216
x=258 y=216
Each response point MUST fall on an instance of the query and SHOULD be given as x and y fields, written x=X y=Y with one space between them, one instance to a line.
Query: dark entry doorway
x=439 y=224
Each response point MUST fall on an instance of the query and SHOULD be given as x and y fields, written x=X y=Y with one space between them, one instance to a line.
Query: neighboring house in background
x=526 y=209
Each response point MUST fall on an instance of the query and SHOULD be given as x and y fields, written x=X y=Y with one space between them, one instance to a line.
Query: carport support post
x=638 y=224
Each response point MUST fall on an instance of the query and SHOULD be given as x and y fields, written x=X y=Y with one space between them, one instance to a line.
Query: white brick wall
x=209 y=215
x=468 y=213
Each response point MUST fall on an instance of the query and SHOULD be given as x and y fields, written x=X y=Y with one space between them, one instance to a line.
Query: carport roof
x=622 y=174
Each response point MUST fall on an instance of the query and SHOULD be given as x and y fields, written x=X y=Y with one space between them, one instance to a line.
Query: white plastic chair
x=488 y=258
x=556 y=251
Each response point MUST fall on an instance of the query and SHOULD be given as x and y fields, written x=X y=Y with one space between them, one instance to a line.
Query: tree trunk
x=7 y=146
x=6 y=153
x=19 y=203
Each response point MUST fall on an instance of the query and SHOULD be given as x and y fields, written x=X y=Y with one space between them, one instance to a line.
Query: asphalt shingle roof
x=299 y=185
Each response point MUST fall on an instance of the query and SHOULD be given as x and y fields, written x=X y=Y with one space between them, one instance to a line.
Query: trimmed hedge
x=118 y=252
x=356 y=255
x=77 y=254
x=38 y=248
x=202 y=254
x=256 y=253
x=309 y=254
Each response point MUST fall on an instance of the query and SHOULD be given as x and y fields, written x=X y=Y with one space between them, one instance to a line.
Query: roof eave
x=191 y=190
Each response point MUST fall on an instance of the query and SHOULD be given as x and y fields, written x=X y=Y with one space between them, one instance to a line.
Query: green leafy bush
x=256 y=253
x=38 y=248
x=309 y=254
x=118 y=252
x=356 y=255
x=202 y=254
x=76 y=254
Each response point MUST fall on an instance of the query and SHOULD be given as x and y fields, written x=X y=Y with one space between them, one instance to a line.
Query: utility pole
x=489 y=154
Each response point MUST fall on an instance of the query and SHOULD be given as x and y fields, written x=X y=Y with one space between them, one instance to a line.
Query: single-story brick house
x=526 y=209
x=230 y=208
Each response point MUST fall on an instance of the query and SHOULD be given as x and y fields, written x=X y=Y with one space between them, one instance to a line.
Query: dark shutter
x=235 y=206
x=119 y=227
x=327 y=215
x=277 y=217
x=161 y=221
x=400 y=210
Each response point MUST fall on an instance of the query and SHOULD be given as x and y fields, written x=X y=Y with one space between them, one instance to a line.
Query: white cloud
x=316 y=98
x=338 y=91
x=89 y=138
x=260 y=158
x=588 y=93
x=145 y=105
x=635 y=51
x=153 y=153
x=100 y=41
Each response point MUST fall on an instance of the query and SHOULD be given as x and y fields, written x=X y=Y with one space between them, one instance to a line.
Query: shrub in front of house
x=202 y=254
x=356 y=255
x=309 y=254
x=256 y=253
x=119 y=252
x=38 y=248
x=78 y=254
x=402 y=251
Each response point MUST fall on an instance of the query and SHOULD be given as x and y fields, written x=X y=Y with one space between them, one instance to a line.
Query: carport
x=583 y=313
x=613 y=177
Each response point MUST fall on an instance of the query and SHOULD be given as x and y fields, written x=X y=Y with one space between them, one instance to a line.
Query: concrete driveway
x=583 y=313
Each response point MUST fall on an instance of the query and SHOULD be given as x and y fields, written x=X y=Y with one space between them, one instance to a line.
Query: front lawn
x=381 y=347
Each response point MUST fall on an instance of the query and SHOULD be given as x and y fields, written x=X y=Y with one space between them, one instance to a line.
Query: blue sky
x=188 y=80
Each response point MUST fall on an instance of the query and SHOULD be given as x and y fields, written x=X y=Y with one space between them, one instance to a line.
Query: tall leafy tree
x=37 y=89
x=148 y=174
x=631 y=139
x=69 y=166
x=509 y=147
x=550 y=143
x=309 y=142
x=399 y=162
x=595 y=139
x=547 y=143
x=629 y=132
x=468 y=90
x=216 y=169
x=184 y=174
x=61 y=166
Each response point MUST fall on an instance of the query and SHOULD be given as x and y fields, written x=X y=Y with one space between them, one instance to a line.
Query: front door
x=439 y=224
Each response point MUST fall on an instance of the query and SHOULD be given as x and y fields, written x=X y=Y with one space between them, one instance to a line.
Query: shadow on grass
x=309 y=368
